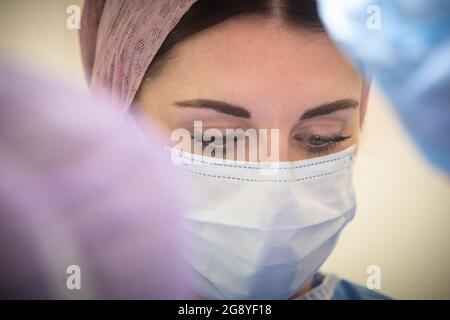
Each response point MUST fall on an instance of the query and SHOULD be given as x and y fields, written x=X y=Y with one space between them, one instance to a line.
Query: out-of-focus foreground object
x=405 y=44
x=87 y=207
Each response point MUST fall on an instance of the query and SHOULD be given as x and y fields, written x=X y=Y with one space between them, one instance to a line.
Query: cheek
x=356 y=131
x=354 y=127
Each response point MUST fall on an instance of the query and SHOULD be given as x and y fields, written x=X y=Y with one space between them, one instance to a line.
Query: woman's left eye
x=320 y=144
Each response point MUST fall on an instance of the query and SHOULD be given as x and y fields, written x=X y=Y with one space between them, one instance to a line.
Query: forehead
x=258 y=60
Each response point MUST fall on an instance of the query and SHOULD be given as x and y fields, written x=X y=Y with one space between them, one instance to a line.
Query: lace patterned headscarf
x=119 y=39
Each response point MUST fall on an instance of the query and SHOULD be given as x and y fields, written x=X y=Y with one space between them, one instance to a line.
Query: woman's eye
x=315 y=144
x=320 y=144
x=224 y=142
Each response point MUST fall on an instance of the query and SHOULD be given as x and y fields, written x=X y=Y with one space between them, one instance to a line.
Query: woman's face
x=260 y=74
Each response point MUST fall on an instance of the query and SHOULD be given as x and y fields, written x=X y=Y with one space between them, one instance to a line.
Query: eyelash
x=328 y=143
x=205 y=142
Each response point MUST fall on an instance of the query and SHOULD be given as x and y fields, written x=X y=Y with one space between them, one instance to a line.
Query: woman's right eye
x=213 y=141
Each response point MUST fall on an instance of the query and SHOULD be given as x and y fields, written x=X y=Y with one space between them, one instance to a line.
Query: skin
x=276 y=72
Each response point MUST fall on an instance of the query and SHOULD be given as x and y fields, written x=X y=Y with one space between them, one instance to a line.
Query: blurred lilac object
x=79 y=186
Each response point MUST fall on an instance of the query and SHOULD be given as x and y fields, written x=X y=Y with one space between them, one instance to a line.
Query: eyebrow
x=329 y=108
x=238 y=111
x=218 y=106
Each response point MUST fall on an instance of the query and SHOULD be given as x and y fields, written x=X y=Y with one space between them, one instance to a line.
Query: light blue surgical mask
x=262 y=236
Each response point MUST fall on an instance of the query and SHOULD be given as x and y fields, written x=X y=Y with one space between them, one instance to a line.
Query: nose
x=280 y=146
x=284 y=148
x=277 y=146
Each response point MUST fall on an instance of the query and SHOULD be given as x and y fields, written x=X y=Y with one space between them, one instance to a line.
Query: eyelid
x=324 y=126
x=226 y=137
x=320 y=131
x=213 y=121
x=343 y=115
x=223 y=129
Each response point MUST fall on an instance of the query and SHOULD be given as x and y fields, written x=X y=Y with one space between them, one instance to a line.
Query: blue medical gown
x=331 y=287
x=346 y=290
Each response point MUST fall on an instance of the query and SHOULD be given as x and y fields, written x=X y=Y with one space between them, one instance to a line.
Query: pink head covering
x=120 y=38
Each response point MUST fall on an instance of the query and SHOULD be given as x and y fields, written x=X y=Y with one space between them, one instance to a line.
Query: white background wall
x=403 y=218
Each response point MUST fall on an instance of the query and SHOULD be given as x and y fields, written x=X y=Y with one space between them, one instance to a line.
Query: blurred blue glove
x=405 y=45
